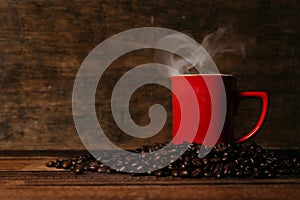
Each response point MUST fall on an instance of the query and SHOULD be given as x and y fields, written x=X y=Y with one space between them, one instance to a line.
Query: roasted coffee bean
x=198 y=172
x=50 y=164
x=196 y=162
x=252 y=160
x=86 y=167
x=138 y=150
x=72 y=167
x=218 y=175
x=58 y=164
x=239 y=173
x=102 y=169
x=205 y=161
x=222 y=146
x=170 y=167
x=183 y=166
x=214 y=160
x=175 y=173
x=216 y=150
x=66 y=164
x=184 y=173
x=78 y=170
x=283 y=171
x=229 y=169
x=110 y=170
x=159 y=173
x=259 y=149
x=93 y=166
x=263 y=164
x=253 y=146
x=73 y=162
x=208 y=174
x=79 y=161
x=224 y=160
x=225 y=154
x=270 y=160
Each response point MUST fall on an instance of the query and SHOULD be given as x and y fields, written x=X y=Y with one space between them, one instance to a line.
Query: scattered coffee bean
x=78 y=170
x=225 y=160
x=184 y=173
x=50 y=164
x=159 y=173
x=66 y=164
x=175 y=173
x=198 y=172
x=58 y=164
x=196 y=162
x=93 y=166
x=207 y=174
x=86 y=167
x=102 y=169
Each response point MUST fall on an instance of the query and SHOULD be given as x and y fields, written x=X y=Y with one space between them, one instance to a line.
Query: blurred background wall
x=43 y=43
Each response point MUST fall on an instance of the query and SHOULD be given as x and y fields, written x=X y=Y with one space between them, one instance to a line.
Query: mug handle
x=265 y=104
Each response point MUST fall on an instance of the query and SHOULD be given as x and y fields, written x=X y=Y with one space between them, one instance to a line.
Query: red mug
x=207 y=118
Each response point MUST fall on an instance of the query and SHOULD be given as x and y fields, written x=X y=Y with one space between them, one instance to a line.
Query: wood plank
x=154 y=192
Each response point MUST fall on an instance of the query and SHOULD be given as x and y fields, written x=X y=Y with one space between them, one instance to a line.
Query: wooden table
x=23 y=175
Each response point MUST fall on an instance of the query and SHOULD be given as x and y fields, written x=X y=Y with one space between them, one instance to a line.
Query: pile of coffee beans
x=224 y=160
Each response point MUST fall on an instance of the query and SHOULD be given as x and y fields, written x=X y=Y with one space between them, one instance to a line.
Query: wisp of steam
x=198 y=58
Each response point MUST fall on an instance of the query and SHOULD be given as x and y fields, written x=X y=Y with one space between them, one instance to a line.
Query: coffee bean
x=102 y=169
x=138 y=150
x=93 y=166
x=216 y=150
x=184 y=173
x=269 y=160
x=205 y=161
x=214 y=160
x=86 y=167
x=66 y=164
x=239 y=173
x=58 y=164
x=78 y=170
x=175 y=173
x=259 y=149
x=50 y=164
x=218 y=175
x=208 y=174
x=72 y=167
x=263 y=164
x=158 y=173
x=225 y=160
x=253 y=146
x=183 y=166
x=196 y=162
x=110 y=170
x=198 y=172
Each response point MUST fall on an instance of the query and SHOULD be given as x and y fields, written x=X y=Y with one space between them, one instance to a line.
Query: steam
x=198 y=58
x=222 y=41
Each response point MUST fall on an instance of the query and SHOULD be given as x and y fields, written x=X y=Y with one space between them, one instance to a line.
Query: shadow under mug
x=200 y=87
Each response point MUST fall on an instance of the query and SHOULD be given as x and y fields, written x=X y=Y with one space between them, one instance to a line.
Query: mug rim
x=225 y=75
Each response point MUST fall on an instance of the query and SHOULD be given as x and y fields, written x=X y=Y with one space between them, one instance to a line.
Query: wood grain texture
x=25 y=176
x=44 y=42
x=154 y=192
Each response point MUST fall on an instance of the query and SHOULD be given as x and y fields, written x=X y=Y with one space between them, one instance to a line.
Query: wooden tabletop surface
x=23 y=175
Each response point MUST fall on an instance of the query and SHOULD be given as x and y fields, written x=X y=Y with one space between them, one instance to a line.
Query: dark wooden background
x=43 y=42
